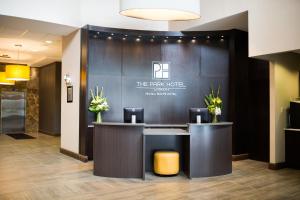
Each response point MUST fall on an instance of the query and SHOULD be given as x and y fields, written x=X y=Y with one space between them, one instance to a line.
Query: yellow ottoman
x=166 y=162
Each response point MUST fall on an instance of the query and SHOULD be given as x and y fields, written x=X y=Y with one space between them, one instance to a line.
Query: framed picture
x=69 y=94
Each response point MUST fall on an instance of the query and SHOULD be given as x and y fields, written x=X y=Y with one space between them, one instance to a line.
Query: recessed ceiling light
x=126 y=35
x=179 y=41
x=151 y=40
x=109 y=37
x=207 y=37
x=124 y=38
x=193 y=41
x=138 y=39
x=194 y=37
x=112 y=34
x=165 y=41
x=98 y=32
x=48 y=41
x=222 y=36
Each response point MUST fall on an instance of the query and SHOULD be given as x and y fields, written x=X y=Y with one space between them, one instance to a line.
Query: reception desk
x=124 y=150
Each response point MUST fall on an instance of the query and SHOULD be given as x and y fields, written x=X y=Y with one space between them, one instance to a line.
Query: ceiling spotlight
x=222 y=36
x=109 y=37
x=167 y=37
x=126 y=35
x=193 y=41
x=140 y=36
x=98 y=32
x=165 y=41
x=48 y=41
x=153 y=36
x=151 y=40
x=222 y=40
x=180 y=37
x=194 y=37
x=112 y=34
x=95 y=36
x=207 y=37
x=123 y=38
x=179 y=41
x=138 y=39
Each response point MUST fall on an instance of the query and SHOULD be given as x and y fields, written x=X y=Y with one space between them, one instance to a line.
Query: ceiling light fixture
x=17 y=72
x=4 y=81
x=166 y=10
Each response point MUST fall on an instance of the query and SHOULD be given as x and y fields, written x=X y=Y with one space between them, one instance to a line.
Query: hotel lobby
x=173 y=99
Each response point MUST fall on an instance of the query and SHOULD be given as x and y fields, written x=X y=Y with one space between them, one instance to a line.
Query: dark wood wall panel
x=50 y=98
x=259 y=110
x=119 y=65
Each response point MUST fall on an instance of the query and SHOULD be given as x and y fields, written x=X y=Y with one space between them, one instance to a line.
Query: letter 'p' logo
x=160 y=70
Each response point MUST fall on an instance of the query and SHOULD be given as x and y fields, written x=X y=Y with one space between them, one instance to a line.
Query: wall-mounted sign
x=69 y=94
x=161 y=84
x=160 y=70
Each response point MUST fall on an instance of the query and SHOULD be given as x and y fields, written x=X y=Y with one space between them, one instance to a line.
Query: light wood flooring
x=34 y=169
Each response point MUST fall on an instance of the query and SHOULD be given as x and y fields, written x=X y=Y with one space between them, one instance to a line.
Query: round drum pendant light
x=164 y=10
x=4 y=81
x=17 y=72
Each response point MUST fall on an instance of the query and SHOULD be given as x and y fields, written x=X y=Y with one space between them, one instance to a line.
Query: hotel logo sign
x=161 y=84
x=160 y=70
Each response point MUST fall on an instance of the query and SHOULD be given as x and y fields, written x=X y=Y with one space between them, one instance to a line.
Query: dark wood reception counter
x=124 y=150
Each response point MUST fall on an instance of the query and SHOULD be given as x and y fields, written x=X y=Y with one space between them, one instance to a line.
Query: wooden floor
x=34 y=169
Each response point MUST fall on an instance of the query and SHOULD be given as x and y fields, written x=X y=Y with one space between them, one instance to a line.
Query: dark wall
x=259 y=110
x=50 y=98
x=249 y=100
x=118 y=65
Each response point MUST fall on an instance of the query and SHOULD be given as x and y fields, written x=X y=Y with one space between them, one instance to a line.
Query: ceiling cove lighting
x=4 y=81
x=17 y=72
x=166 y=10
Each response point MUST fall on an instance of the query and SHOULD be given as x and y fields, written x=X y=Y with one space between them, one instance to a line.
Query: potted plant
x=98 y=104
x=214 y=104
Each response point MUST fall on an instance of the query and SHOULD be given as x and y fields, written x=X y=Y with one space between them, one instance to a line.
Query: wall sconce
x=68 y=80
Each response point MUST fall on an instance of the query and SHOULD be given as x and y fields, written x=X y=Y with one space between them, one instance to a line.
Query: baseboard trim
x=49 y=133
x=74 y=155
x=277 y=166
x=240 y=157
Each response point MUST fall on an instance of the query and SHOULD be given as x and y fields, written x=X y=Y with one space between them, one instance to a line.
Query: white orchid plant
x=99 y=102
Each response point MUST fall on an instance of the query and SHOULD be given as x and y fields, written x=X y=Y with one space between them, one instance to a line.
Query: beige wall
x=70 y=111
x=273 y=25
x=284 y=87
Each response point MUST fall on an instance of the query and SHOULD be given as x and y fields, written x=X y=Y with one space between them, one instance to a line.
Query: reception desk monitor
x=202 y=112
x=136 y=114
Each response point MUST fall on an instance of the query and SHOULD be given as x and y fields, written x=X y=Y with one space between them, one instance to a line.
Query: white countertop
x=165 y=131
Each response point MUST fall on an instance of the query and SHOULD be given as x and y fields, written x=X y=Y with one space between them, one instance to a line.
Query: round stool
x=166 y=162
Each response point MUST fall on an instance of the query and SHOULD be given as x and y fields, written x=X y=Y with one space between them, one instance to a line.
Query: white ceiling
x=238 y=21
x=31 y=34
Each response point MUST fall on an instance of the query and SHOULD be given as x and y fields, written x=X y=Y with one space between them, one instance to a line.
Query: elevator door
x=12 y=112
